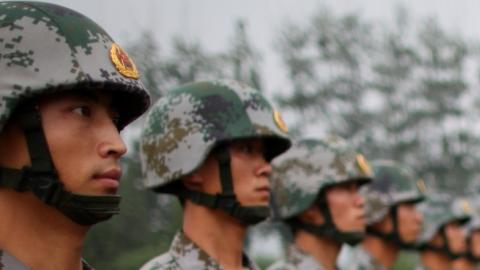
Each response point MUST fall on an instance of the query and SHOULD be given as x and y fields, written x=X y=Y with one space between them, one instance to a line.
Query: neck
x=324 y=250
x=211 y=230
x=32 y=231
x=384 y=251
x=435 y=260
x=462 y=264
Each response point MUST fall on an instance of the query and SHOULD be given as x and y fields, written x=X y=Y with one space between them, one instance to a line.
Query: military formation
x=67 y=90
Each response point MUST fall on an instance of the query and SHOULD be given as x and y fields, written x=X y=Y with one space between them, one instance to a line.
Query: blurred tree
x=325 y=62
x=393 y=92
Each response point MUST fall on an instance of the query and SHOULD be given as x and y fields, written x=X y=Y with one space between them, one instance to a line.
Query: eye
x=84 y=111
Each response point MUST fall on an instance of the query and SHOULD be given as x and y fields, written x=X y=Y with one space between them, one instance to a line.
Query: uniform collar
x=368 y=258
x=302 y=259
x=190 y=256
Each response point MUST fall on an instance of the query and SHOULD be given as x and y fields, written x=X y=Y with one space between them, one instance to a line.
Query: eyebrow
x=94 y=96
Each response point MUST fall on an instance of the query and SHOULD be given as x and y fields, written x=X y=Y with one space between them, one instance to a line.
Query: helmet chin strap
x=227 y=200
x=328 y=229
x=42 y=180
x=445 y=248
x=393 y=236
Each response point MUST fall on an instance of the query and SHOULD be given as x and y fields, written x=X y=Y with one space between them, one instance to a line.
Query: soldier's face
x=346 y=207
x=250 y=174
x=456 y=236
x=475 y=243
x=409 y=222
x=83 y=140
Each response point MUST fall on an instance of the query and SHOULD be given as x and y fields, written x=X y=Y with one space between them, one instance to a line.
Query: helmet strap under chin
x=328 y=228
x=393 y=236
x=227 y=200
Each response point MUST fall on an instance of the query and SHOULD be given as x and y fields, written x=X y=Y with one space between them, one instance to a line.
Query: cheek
x=476 y=245
x=340 y=206
x=242 y=175
x=71 y=155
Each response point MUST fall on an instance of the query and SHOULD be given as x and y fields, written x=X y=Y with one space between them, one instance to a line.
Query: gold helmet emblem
x=277 y=117
x=123 y=63
x=363 y=165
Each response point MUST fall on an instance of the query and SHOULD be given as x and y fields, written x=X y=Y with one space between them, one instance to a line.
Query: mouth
x=264 y=191
x=109 y=180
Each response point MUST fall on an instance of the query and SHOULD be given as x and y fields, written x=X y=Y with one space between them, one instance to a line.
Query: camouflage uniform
x=48 y=49
x=184 y=254
x=357 y=258
x=298 y=180
x=393 y=184
x=296 y=259
x=187 y=125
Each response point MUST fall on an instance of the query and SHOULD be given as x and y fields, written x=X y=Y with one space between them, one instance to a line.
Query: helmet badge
x=363 y=165
x=421 y=185
x=277 y=117
x=123 y=63
x=466 y=206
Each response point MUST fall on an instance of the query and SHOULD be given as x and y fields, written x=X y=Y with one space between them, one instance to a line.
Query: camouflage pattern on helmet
x=438 y=210
x=188 y=122
x=47 y=48
x=308 y=167
x=185 y=254
x=393 y=184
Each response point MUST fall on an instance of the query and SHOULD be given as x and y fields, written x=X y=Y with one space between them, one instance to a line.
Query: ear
x=384 y=225
x=312 y=215
x=193 y=181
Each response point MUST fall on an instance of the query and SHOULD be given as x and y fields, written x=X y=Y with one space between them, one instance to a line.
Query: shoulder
x=354 y=258
x=163 y=262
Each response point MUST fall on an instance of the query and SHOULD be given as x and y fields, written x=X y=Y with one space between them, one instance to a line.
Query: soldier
x=314 y=190
x=443 y=242
x=392 y=219
x=210 y=144
x=63 y=101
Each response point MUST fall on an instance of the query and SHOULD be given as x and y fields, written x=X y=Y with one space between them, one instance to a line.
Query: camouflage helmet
x=47 y=48
x=393 y=184
x=309 y=167
x=185 y=125
x=438 y=210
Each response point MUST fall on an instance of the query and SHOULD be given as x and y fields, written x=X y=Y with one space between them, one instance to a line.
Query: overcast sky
x=211 y=21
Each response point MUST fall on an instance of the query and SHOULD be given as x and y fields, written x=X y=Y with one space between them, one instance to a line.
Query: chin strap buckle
x=46 y=187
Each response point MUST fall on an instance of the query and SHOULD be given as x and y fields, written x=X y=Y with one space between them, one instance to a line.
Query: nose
x=264 y=168
x=359 y=200
x=110 y=142
x=418 y=217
